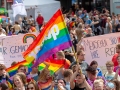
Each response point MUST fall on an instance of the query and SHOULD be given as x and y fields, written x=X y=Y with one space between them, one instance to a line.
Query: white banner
x=19 y=9
x=100 y=48
x=11 y=47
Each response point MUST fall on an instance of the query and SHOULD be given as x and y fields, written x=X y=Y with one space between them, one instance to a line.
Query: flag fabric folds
x=53 y=38
x=13 y=69
x=54 y=65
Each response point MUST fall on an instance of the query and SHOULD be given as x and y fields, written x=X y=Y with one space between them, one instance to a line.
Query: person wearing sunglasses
x=32 y=86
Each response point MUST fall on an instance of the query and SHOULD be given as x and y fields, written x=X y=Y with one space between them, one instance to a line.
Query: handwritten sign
x=11 y=47
x=101 y=48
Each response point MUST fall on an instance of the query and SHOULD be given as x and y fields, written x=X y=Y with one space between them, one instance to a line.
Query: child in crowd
x=110 y=74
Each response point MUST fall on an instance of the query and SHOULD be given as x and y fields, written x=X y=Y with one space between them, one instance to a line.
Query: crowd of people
x=80 y=75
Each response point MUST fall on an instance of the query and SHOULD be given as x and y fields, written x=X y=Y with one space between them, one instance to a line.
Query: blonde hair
x=61 y=54
x=44 y=74
x=98 y=81
x=109 y=18
x=109 y=63
x=23 y=77
x=19 y=78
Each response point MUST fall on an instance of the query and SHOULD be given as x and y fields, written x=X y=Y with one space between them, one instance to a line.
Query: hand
x=66 y=53
x=60 y=87
x=83 y=76
x=78 y=68
x=52 y=84
x=118 y=69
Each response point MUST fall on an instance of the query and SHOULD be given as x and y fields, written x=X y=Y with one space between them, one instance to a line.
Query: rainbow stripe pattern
x=13 y=69
x=28 y=36
x=54 y=65
x=53 y=38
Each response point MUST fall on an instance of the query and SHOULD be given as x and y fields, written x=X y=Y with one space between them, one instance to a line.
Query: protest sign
x=100 y=48
x=12 y=47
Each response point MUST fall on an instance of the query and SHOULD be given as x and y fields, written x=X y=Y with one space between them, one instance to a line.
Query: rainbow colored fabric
x=53 y=38
x=13 y=69
x=54 y=65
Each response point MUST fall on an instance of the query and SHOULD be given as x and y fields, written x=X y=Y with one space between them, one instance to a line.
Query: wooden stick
x=76 y=57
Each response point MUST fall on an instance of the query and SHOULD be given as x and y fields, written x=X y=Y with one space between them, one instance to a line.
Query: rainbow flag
x=13 y=69
x=55 y=65
x=53 y=38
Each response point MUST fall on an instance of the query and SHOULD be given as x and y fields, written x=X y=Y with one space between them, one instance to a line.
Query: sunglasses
x=31 y=88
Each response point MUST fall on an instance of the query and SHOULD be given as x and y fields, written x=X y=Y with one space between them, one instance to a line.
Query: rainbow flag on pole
x=13 y=69
x=53 y=38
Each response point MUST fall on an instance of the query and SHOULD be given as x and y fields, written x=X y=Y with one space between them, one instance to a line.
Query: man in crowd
x=40 y=20
x=81 y=61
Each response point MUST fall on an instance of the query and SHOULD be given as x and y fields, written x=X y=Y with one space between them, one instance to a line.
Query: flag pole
x=76 y=57
x=72 y=47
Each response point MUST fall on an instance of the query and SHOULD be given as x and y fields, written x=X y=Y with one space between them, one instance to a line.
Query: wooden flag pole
x=76 y=57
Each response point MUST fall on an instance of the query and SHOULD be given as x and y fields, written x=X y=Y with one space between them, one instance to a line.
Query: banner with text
x=100 y=48
x=11 y=47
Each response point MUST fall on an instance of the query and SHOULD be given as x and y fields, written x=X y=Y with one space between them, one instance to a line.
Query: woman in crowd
x=23 y=76
x=18 y=83
x=32 y=86
x=45 y=80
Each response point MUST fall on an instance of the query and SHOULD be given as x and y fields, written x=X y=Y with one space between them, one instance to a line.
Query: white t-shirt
x=1 y=35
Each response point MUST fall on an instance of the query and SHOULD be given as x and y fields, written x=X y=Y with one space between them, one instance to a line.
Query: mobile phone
x=56 y=81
